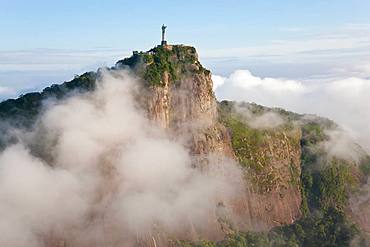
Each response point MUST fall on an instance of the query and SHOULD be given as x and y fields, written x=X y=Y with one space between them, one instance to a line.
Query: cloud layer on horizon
x=303 y=53
x=29 y=70
x=6 y=91
x=345 y=101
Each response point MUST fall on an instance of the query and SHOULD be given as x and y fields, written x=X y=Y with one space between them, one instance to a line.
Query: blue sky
x=44 y=42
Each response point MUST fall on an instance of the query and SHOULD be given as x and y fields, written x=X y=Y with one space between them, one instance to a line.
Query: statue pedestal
x=164 y=43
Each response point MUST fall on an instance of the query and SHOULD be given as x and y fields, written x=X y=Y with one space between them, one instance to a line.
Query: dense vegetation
x=251 y=145
x=174 y=60
x=180 y=59
x=326 y=183
x=27 y=106
x=22 y=112
x=150 y=65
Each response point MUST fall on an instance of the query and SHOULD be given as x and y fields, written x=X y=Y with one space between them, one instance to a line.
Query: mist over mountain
x=142 y=154
x=344 y=100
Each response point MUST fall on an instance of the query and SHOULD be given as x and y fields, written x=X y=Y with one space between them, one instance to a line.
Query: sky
x=44 y=42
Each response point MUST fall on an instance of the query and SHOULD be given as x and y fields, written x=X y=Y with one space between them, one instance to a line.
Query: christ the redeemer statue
x=164 y=42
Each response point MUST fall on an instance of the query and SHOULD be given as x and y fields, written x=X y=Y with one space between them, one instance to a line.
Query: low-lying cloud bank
x=345 y=101
x=6 y=92
x=96 y=172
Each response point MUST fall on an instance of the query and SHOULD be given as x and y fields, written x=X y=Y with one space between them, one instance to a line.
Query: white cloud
x=55 y=59
x=341 y=145
x=217 y=81
x=109 y=174
x=304 y=47
x=6 y=91
x=312 y=52
x=245 y=80
x=346 y=101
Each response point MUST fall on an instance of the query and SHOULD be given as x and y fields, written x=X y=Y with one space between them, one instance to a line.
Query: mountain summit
x=289 y=183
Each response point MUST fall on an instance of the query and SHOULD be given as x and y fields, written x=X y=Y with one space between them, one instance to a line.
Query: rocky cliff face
x=287 y=176
x=270 y=158
x=180 y=99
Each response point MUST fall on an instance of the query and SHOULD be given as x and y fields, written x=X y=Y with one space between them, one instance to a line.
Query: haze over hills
x=142 y=154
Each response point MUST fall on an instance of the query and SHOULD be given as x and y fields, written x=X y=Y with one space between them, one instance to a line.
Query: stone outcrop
x=176 y=94
x=273 y=196
x=181 y=100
